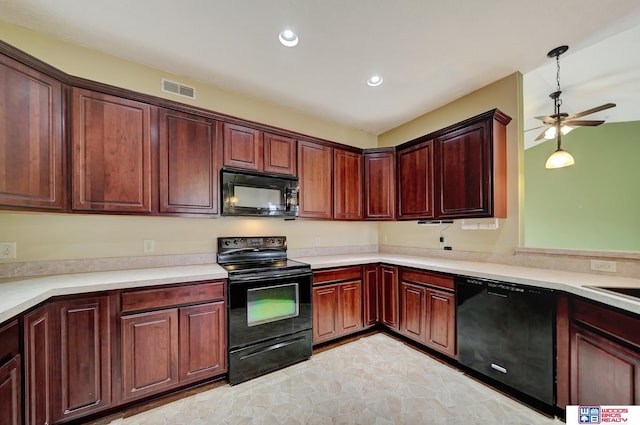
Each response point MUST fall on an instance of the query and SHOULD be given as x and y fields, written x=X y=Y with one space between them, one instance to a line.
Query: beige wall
x=41 y=236
x=504 y=95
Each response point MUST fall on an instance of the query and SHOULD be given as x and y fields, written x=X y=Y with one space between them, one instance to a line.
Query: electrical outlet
x=603 y=266
x=316 y=240
x=149 y=246
x=7 y=250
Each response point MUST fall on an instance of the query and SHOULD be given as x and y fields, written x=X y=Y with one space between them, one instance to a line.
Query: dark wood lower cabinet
x=337 y=303
x=370 y=288
x=337 y=310
x=11 y=392
x=81 y=364
x=428 y=309
x=598 y=354
x=388 y=296
x=149 y=353
x=203 y=336
x=37 y=354
x=413 y=308
x=441 y=321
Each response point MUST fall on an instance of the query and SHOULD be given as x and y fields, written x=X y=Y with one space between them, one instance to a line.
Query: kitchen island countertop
x=21 y=294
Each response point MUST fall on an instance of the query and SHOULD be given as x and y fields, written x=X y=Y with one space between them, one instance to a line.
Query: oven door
x=265 y=307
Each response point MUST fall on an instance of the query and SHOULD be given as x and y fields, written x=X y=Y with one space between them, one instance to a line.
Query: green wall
x=594 y=204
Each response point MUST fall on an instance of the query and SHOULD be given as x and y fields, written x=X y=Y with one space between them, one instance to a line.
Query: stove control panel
x=255 y=242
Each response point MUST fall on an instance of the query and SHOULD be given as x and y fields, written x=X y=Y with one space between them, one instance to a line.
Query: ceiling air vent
x=169 y=86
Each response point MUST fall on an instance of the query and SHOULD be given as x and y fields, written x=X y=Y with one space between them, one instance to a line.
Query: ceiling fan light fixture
x=551 y=131
x=559 y=159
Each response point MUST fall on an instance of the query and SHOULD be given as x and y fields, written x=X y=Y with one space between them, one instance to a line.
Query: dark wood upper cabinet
x=252 y=149
x=32 y=155
x=415 y=181
x=280 y=154
x=242 y=147
x=456 y=172
x=112 y=153
x=190 y=157
x=379 y=185
x=472 y=171
x=348 y=185
x=315 y=172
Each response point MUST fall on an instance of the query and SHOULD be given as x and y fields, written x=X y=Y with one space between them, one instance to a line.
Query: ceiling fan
x=561 y=121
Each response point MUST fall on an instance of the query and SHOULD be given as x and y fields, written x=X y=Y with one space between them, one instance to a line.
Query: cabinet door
x=603 y=372
x=112 y=153
x=149 y=353
x=413 y=311
x=37 y=354
x=348 y=186
x=31 y=141
x=11 y=392
x=280 y=154
x=441 y=321
x=370 y=295
x=82 y=374
x=464 y=173
x=315 y=172
x=350 y=307
x=325 y=313
x=242 y=147
x=203 y=336
x=389 y=296
x=379 y=196
x=189 y=163
x=415 y=181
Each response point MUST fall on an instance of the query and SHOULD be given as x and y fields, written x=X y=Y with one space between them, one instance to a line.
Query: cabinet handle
x=498 y=368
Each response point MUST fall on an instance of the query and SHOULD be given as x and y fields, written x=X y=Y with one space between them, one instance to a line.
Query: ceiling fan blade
x=540 y=136
x=590 y=111
x=546 y=119
x=535 y=128
x=580 y=123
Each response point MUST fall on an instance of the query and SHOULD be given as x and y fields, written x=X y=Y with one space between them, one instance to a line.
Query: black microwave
x=258 y=195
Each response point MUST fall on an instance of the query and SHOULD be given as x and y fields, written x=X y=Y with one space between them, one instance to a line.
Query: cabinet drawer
x=337 y=275
x=619 y=325
x=426 y=278
x=147 y=299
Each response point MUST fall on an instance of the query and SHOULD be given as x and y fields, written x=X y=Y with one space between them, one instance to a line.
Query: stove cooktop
x=263 y=266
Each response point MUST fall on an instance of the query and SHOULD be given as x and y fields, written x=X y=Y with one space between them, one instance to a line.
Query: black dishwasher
x=506 y=331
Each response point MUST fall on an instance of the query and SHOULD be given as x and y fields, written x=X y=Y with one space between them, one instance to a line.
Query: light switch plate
x=7 y=250
x=603 y=266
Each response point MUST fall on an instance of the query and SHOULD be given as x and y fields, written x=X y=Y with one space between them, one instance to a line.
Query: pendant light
x=560 y=158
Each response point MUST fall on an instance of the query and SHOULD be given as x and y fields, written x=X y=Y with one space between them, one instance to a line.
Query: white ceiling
x=429 y=52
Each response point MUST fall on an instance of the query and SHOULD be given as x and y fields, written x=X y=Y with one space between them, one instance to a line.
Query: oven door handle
x=255 y=277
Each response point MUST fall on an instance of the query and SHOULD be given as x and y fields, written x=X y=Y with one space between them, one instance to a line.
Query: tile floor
x=373 y=380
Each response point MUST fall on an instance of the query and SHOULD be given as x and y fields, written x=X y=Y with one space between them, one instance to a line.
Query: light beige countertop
x=20 y=295
x=572 y=282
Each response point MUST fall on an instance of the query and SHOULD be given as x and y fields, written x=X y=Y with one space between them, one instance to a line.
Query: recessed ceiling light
x=374 y=81
x=288 y=38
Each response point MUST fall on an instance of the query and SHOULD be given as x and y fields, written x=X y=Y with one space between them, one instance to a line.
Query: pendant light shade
x=559 y=159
